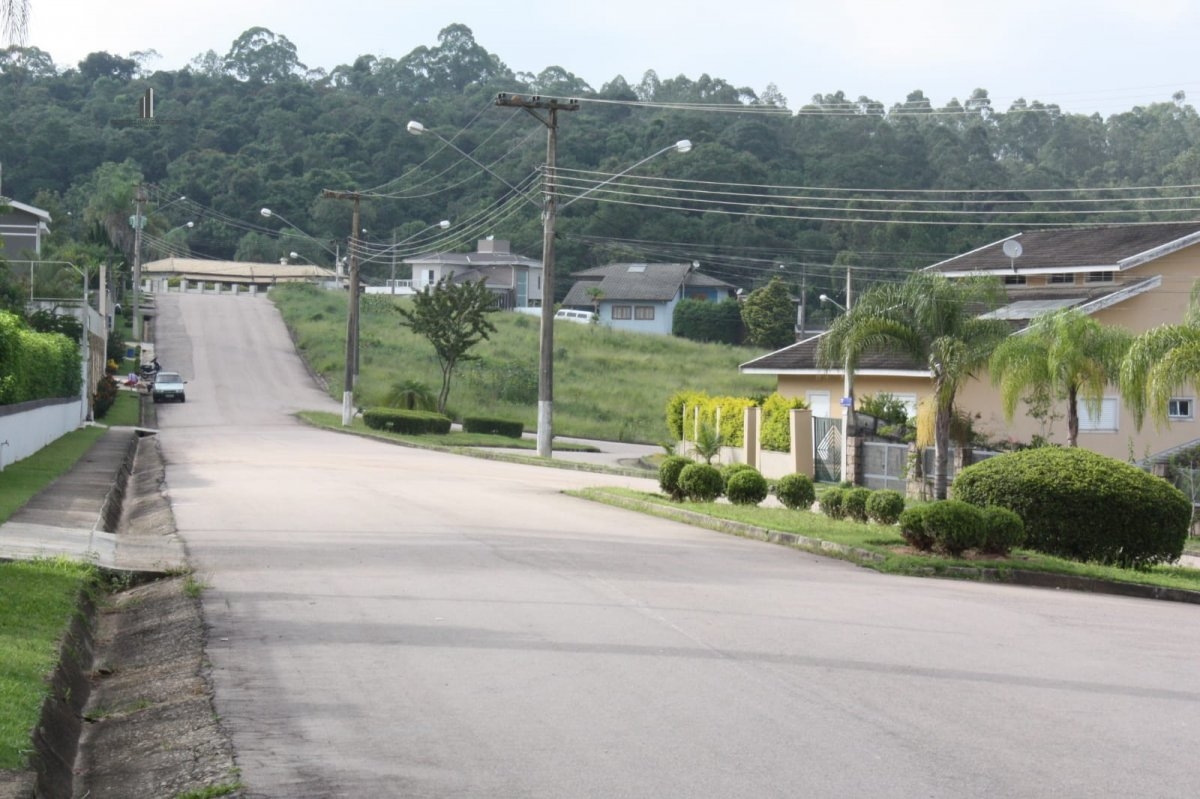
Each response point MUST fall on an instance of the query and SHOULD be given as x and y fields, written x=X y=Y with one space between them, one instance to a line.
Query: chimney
x=494 y=246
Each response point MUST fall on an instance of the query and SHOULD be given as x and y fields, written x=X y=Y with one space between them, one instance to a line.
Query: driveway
x=395 y=622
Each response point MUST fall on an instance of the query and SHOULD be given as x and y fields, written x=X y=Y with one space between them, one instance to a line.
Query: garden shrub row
x=36 y=365
x=407 y=422
x=860 y=504
x=684 y=407
x=954 y=526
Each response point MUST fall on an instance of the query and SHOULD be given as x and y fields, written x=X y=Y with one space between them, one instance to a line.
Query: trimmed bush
x=796 y=491
x=885 y=506
x=730 y=469
x=1082 y=505
x=1002 y=530
x=954 y=525
x=413 y=423
x=912 y=527
x=668 y=475
x=855 y=504
x=833 y=503
x=700 y=482
x=746 y=487
x=494 y=427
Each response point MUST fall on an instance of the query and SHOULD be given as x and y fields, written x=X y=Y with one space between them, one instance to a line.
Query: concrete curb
x=865 y=557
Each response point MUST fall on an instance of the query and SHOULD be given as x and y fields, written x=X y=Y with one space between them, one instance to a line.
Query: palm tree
x=1160 y=361
x=14 y=20
x=1064 y=353
x=934 y=321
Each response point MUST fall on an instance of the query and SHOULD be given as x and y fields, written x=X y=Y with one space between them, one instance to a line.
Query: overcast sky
x=1097 y=56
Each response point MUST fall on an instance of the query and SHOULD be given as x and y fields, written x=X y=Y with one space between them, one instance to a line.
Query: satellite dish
x=1013 y=249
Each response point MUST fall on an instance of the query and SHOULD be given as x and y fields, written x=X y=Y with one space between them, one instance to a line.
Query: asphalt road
x=388 y=622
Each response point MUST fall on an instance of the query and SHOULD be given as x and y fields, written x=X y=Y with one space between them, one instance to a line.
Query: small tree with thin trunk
x=453 y=318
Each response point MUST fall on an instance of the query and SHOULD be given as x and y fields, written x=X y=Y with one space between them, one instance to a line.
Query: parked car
x=572 y=315
x=168 y=386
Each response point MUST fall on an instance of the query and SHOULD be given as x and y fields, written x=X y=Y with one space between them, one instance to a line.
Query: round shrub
x=885 y=506
x=833 y=503
x=796 y=491
x=668 y=475
x=954 y=525
x=746 y=487
x=1002 y=530
x=912 y=527
x=700 y=482
x=854 y=506
x=1082 y=505
x=730 y=469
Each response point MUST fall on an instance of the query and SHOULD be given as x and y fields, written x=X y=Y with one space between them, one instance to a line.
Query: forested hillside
x=800 y=191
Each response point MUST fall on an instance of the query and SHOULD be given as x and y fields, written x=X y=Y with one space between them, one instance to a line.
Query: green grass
x=126 y=410
x=211 y=792
x=887 y=550
x=608 y=384
x=37 y=601
x=22 y=480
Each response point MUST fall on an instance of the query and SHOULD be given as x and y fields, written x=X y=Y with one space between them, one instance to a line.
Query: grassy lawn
x=25 y=478
x=609 y=384
x=878 y=547
x=125 y=411
x=37 y=600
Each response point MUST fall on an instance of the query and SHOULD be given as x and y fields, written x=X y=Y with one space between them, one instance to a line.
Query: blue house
x=642 y=297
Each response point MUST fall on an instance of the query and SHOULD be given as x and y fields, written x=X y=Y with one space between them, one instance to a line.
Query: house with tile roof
x=642 y=297
x=1134 y=276
x=515 y=279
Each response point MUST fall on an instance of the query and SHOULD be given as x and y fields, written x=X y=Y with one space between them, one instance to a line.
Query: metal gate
x=827 y=449
x=885 y=465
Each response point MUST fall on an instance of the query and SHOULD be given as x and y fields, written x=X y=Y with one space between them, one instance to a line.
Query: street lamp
x=443 y=225
x=847 y=397
x=417 y=129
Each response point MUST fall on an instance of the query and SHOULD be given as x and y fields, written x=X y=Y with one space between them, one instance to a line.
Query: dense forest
x=766 y=190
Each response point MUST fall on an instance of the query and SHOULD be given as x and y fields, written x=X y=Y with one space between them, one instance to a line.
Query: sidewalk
x=77 y=515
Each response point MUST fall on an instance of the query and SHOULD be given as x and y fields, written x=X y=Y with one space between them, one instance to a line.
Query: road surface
x=390 y=622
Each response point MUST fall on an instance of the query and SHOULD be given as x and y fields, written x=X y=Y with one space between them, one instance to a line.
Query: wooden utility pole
x=351 y=373
x=532 y=104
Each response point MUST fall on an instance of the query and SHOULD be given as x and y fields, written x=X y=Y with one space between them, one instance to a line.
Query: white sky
x=1099 y=55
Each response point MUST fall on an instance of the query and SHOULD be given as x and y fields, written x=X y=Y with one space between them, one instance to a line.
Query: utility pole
x=532 y=104
x=847 y=398
x=351 y=373
x=139 y=221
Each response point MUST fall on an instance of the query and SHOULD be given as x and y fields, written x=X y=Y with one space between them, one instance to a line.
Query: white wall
x=28 y=426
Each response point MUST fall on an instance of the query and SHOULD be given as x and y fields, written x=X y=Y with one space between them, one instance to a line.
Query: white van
x=572 y=315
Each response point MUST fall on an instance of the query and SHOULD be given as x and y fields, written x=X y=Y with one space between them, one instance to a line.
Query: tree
x=453 y=318
x=14 y=18
x=262 y=56
x=932 y=320
x=1160 y=361
x=770 y=316
x=1065 y=353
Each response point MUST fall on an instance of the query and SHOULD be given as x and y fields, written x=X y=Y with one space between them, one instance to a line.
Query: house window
x=1060 y=277
x=429 y=278
x=622 y=312
x=1181 y=408
x=1014 y=280
x=1099 y=277
x=819 y=402
x=1103 y=422
x=643 y=312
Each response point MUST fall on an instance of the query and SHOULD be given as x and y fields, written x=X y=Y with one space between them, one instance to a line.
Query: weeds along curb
x=865 y=557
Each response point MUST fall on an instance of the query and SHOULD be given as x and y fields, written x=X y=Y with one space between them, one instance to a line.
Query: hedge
x=495 y=427
x=36 y=365
x=407 y=422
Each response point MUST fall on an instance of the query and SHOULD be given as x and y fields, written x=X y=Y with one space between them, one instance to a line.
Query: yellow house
x=1135 y=276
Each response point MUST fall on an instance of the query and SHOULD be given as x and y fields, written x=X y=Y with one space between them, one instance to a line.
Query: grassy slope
x=608 y=384
x=37 y=600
